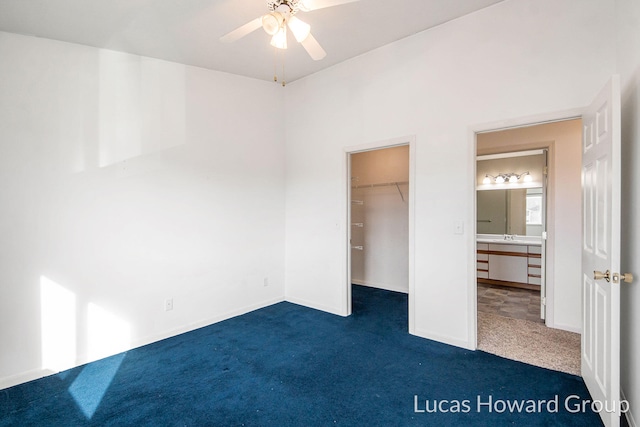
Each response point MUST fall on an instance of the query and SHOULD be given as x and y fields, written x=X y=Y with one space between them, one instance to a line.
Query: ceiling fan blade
x=242 y=31
x=313 y=48
x=309 y=5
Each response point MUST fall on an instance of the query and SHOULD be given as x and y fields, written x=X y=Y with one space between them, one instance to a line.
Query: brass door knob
x=627 y=278
x=597 y=275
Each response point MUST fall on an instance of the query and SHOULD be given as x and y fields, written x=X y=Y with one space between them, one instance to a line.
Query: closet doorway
x=379 y=219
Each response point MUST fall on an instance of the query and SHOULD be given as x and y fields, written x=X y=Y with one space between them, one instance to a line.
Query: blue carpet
x=287 y=365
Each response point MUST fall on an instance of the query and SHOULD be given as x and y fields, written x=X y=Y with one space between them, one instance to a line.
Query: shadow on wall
x=629 y=241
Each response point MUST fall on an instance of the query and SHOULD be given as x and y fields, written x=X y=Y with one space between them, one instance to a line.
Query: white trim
x=577 y=330
x=315 y=306
x=83 y=359
x=533 y=120
x=24 y=377
x=384 y=286
x=510 y=154
x=444 y=339
x=409 y=140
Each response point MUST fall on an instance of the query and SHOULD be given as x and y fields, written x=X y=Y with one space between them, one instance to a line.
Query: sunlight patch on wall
x=141 y=106
x=58 y=323
x=107 y=334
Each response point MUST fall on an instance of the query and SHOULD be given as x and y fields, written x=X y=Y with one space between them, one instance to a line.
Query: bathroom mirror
x=510 y=211
x=510 y=197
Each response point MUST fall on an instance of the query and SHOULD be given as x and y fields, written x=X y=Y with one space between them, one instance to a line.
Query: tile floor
x=509 y=302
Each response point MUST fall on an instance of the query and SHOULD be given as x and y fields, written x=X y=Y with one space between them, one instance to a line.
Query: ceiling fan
x=281 y=16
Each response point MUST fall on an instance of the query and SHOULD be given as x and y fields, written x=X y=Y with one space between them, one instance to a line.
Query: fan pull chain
x=275 y=65
x=283 y=77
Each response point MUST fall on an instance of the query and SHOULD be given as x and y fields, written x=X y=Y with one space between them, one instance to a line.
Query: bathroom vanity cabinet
x=516 y=265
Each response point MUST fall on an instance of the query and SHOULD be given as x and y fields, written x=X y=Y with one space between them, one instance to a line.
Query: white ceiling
x=188 y=31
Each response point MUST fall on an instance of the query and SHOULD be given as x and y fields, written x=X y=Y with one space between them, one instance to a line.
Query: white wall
x=515 y=59
x=628 y=43
x=125 y=181
x=564 y=207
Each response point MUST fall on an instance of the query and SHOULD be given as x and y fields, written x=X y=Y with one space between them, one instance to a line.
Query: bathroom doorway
x=554 y=209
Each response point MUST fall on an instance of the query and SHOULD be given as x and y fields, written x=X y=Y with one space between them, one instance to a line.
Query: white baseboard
x=206 y=322
x=24 y=377
x=444 y=339
x=315 y=306
x=567 y=328
x=385 y=286
x=35 y=374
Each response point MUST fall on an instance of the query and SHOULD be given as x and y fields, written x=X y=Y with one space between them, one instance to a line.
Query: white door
x=601 y=251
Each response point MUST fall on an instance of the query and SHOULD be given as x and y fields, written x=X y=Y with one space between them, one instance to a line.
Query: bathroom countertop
x=518 y=240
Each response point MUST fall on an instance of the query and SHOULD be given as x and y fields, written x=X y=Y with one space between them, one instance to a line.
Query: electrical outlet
x=168 y=304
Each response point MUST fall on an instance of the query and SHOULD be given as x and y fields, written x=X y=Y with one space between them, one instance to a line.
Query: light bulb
x=513 y=179
x=279 y=39
x=499 y=179
x=272 y=22
x=528 y=177
x=299 y=29
x=486 y=180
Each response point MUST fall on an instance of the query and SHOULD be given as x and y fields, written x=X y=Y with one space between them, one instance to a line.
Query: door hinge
x=545 y=171
x=544 y=235
x=544 y=300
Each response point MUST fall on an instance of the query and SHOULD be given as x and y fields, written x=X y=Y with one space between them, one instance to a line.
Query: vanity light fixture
x=511 y=178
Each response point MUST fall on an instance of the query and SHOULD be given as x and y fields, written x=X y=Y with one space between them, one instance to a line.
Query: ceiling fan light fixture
x=272 y=22
x=299 y=28
x=279 y=39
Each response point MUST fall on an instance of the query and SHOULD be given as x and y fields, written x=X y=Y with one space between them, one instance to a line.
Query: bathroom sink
x=508 y=242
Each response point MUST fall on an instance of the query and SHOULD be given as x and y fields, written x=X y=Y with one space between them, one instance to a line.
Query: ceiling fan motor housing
x=289 y=7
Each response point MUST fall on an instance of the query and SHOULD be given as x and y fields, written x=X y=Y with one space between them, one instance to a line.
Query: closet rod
x=382 y=184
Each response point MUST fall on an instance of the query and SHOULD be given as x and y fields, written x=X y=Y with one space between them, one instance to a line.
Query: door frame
x=346 y=185
x=473 y=131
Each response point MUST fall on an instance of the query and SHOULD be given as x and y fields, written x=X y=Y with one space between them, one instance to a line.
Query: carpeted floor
x=287 y=365
x=529 y=342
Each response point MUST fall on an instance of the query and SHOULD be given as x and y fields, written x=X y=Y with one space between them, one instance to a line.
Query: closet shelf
x=396 y=184
x=381 y=184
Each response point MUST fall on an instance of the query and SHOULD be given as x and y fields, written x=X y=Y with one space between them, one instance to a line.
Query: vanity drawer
x=535 y=249
x=535 y=262
x=483 y=274
x=482 y=246
x=482 y=266
x=496 y=247
x=534 y=281
x=536 y=271
x=482 y=257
